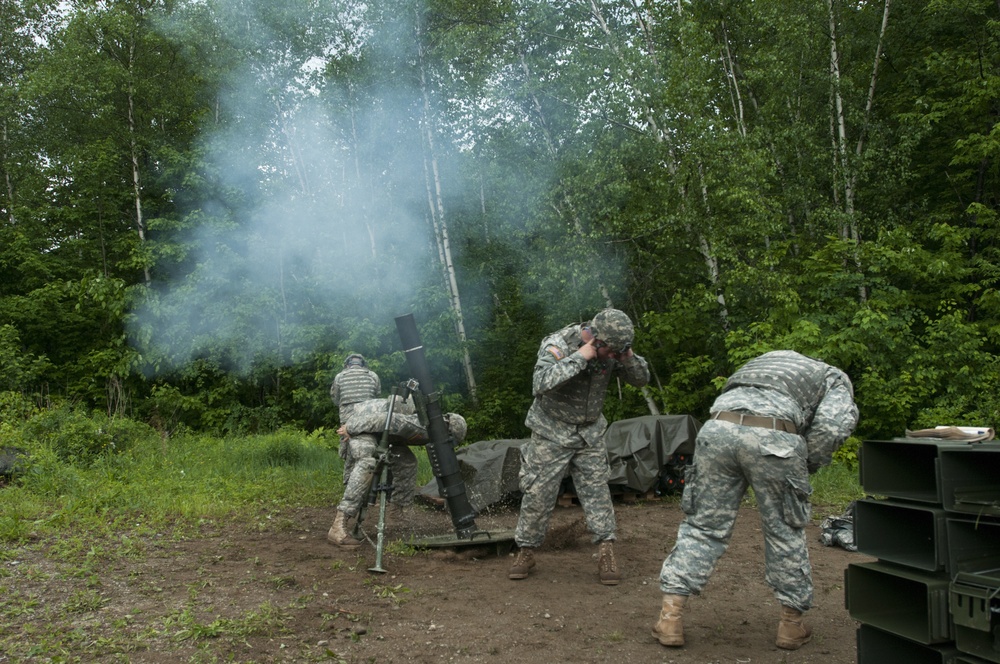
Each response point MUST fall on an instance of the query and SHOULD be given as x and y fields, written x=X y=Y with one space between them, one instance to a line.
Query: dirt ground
x=441 y=605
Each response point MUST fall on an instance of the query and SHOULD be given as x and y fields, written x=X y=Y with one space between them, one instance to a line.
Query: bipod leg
x=380 y=537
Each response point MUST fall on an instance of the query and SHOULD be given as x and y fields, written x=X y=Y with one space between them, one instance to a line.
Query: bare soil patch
x=317 y=602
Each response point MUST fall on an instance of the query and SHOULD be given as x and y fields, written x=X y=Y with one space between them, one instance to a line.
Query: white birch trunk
x=7 y=182
x=140 y=221
x=436 y=203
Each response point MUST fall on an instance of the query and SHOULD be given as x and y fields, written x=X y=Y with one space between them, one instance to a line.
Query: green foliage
x=19 y=368
x=168 y=480
x=847 y=455
x=16 y=406
x=283 y=448
x=834 y=487
x=80 y=438
x=688 y=177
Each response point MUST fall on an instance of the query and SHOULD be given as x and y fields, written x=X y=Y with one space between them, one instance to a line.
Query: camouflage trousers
x=727 y=459
x=402 y=463
x=345 y=455
x=543 y=465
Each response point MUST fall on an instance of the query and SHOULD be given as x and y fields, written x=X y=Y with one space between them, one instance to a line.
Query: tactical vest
x=356 y=384
x=791 y=373
x=580 y=400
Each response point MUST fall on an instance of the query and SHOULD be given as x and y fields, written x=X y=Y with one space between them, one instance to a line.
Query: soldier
x=362 y=429
x=779 y=418
x=354 y=384
x=571 y=377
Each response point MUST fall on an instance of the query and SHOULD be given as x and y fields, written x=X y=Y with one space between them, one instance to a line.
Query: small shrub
x=80 y=438
x=847 y=455
x=72 y=435
x=16 y=407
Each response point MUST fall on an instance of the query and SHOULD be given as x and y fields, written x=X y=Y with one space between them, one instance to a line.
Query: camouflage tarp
x=639 y=449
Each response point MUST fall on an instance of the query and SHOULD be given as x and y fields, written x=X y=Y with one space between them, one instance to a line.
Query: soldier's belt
x=755 y=421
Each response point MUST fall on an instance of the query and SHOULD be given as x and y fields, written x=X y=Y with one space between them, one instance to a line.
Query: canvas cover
x=639 y=449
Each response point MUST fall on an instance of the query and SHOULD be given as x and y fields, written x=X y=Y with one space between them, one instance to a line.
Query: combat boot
x=669 y=629
x=792 y=632
x=523 y=563
x=607 y=566
x=338 y=534
x=394 y=513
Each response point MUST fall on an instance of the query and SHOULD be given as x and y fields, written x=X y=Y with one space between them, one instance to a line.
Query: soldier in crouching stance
x=362 y=429
x=571 y=377
x=779 y=418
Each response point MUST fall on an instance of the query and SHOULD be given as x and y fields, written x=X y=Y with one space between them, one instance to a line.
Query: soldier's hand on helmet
x=589 y=349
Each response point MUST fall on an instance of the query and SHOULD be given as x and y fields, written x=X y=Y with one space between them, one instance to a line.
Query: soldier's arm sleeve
x=554 y=366
x=835 y=419
x=635 y=370
x=378 y=385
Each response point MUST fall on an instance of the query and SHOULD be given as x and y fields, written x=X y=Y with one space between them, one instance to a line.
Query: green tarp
x=639 y=449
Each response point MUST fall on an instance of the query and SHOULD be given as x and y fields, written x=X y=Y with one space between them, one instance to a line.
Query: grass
x=67 y=520
x=176 y=481
x=835 y=486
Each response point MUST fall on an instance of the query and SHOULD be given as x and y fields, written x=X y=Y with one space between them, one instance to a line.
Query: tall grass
x=835 y=486
x=157 y=481
x=154 y=481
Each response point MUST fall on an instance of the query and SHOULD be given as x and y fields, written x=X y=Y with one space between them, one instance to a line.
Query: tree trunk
x=7 y=181
x=140 y=221
x=436 y=204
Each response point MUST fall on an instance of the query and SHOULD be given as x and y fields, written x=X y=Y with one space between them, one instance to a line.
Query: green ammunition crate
x=973 y=545
x=900 y=600
x=904 y=468
x=876 y=646
x=911 y=534
x=975 y=608
x=962 y=658
x=970 y=478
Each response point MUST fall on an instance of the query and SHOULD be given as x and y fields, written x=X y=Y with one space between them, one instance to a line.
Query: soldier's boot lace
x=607 y=565
x=669 y=629
x=523 y=563
x=792 y=632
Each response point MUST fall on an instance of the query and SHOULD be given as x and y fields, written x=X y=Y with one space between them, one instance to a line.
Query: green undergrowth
x=156 y=482
x=105 y=477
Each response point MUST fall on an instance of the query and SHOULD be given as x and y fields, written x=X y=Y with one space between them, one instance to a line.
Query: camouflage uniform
x=814 y=397
x=356 y=383
x=365 y=426
x=567 y=425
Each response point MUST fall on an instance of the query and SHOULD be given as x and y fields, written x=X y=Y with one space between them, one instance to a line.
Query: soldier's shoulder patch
x=556 y=351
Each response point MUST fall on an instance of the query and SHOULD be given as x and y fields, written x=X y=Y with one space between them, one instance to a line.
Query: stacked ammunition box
x=933 y=595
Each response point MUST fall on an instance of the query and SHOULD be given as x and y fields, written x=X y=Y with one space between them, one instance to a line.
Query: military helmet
x=457 y=426
x=614 y=328
x=355 y=360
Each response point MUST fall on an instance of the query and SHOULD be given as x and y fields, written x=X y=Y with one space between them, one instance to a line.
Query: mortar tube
x=440 y=448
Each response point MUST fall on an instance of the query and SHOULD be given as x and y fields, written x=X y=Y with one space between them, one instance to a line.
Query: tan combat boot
x=607 y=566
x=338 y=534
x=792 y=632
x=523 y=563
x=669 y=629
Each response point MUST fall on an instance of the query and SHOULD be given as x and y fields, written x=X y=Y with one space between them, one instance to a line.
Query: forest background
x=205 y=205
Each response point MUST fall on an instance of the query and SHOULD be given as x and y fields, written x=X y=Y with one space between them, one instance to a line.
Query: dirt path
x=282 y=594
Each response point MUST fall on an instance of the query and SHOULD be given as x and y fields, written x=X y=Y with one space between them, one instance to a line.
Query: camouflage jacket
x=825 y=419
x=569 y=391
